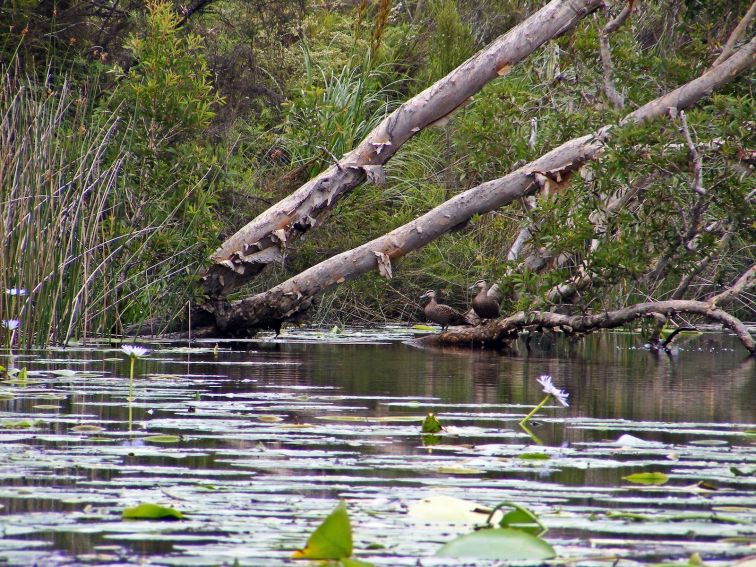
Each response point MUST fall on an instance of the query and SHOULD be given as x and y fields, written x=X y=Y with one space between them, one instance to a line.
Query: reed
x=58 y=176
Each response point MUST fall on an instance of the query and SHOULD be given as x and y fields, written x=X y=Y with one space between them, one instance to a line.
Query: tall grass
x=334 y=111
x=57 y=179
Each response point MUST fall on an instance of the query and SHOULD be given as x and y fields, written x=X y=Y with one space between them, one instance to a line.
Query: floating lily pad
x=162 y=438
x=534 y=456
x=269 y=418
x=148 y=511
x=655 y=478
x=21 y=424
x=447 y=509
x=64 y=372
x=504 y=544
x=459 y=470
x=85 y=428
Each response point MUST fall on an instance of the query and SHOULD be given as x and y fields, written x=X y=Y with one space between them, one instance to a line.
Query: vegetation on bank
x=133 y=144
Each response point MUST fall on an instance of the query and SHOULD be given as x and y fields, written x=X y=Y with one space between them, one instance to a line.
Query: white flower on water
x=548 y=388
x=133 y=350
x=16 y=291
x=11 y=324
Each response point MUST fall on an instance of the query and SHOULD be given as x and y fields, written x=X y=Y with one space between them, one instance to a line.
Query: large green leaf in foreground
x=498 y=543
x=331 y=540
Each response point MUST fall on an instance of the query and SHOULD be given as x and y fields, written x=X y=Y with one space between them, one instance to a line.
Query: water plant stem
x=535 y=410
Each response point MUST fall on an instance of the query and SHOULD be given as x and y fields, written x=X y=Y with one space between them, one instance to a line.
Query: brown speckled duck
x=486 y=302
x=441 y=314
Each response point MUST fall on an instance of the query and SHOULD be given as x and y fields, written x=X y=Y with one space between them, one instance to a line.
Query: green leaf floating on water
x=163 y=438
x=85 y=428
x=498 y=543
x=534 y=456
x=520 y=518
x=353 y=563
x=147 y=511
x=655 y=478
x=431 y=424
x=331 y=540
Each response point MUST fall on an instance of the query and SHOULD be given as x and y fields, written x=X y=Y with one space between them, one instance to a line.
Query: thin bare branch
x=737 y=33
x=607 y=65
x=744 y=282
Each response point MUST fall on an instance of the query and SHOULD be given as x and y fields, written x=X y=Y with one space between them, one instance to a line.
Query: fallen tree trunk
x=497 y=333
x=263 y=240
x=295 y=295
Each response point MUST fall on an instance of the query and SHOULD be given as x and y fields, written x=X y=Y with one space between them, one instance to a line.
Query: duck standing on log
x=441 y=314
x=486 y=302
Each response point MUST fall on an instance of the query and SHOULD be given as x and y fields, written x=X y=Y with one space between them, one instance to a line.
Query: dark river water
x=256 y=442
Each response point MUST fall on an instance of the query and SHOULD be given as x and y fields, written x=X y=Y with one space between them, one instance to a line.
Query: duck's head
x=480 y=284
x=430 y=294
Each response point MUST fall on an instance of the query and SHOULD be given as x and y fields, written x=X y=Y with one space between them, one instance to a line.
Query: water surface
x=271 y=433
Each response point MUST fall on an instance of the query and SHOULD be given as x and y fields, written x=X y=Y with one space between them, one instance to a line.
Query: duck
x=440 y=313
x=486 y=302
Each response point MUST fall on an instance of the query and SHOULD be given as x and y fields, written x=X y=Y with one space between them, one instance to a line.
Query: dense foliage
x=135 y=140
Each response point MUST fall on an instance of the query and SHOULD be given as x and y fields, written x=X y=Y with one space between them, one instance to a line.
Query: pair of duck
x=485 y=304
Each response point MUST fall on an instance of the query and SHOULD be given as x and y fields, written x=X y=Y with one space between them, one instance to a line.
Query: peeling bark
x=296 y=294
x=263 y=240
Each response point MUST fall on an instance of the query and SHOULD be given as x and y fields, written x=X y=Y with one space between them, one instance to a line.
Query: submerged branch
x=503 y=330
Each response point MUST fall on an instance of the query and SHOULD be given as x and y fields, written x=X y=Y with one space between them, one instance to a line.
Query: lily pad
x=148 y=511
x=87 y=428
x=163 y=438
x=269 y=418
x=504 y=544
x=459 y=470
x=64 y=372
x=448 y=510
x=651 y=478
x=534 y=456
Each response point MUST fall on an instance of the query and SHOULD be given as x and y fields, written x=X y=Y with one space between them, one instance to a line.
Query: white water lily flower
x=133 y=350
x=11 y=324
x=16 y=291
x=548 y=388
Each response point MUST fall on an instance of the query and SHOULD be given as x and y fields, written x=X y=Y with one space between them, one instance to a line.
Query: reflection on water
x=272 y=431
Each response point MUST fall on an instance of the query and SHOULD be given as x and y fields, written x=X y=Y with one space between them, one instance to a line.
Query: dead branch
x=262 y=241
x=745 y=281
x=607 y=65
x=735 y=36
x=701 y=265
x=501 y=331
